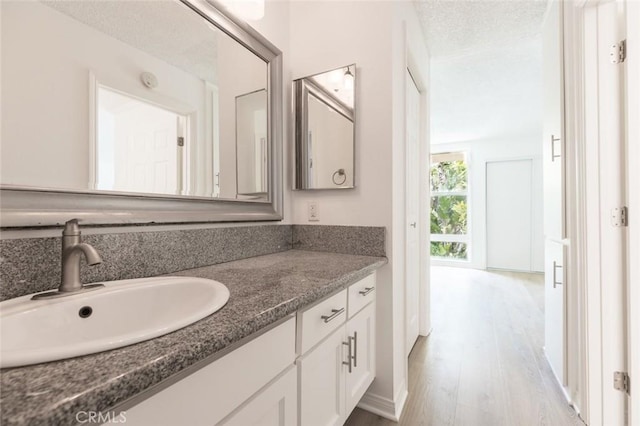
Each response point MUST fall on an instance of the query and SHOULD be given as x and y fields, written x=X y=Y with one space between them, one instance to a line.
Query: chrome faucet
x=72 y=250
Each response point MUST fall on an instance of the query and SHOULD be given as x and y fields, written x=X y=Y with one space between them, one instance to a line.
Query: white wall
x=521 y=146
x=328 y=35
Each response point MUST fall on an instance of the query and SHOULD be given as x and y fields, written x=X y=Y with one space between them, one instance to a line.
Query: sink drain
x=85 y=311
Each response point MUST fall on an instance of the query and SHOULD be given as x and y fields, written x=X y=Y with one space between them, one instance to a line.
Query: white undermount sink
x=120 y=314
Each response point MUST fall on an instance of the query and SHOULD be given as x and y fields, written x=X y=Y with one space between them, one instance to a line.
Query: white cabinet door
x=552 y=143
x=361 y=330
x=322 y=382
x=277 y=405
x=554 y=308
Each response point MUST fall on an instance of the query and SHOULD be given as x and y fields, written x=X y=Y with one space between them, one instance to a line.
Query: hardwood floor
x=483 y=363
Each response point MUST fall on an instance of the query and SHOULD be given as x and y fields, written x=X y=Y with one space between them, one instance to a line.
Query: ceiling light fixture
x=348 y=79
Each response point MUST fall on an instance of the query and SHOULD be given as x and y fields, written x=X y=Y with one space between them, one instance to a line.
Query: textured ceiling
x=164 y=29
x=454 y=27
x=486 y=68
x=488 y=95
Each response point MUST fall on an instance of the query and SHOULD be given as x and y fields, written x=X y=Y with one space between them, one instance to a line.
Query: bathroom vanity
x=295 y=344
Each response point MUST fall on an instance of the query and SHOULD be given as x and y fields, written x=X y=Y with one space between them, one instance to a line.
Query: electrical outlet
x=313 y=212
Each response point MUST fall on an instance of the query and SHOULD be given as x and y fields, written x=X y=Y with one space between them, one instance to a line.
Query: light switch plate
x=313 y=214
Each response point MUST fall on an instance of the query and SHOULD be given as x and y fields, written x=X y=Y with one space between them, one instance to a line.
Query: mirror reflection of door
x=251 y=144
x=333 y=151
x=139 y=145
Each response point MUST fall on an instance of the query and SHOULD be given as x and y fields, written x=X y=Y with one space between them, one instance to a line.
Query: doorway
x=139 y=146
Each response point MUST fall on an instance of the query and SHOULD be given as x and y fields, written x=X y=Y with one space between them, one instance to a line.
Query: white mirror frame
x=36 y=207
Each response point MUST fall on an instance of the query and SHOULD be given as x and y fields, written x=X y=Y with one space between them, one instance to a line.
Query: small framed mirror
x=325 y=129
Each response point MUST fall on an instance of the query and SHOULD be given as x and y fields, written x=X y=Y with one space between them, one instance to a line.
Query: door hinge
x=180 y=141
x=619 y=217
x=621 y=381
x=618 y=52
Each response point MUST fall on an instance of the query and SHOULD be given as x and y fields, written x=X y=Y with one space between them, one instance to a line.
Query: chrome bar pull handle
x=334 y=314
x=555 y=280
x=553 y=148
x=366 y=290
x=349 y=357
x=355 y=348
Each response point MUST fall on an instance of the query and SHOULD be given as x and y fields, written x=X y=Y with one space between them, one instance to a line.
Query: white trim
x=633 y=202
x=385 y=407
x=420 y=76
x=576 y=211
x=450 y=238
x=451 y=193
x=586 y=220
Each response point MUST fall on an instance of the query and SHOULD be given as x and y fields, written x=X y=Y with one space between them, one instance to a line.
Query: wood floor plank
x=483 y=363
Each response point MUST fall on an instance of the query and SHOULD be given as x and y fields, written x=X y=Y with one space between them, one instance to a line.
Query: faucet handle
x=71 y=228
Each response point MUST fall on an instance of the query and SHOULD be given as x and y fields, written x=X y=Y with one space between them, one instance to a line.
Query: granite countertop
x=263 y=289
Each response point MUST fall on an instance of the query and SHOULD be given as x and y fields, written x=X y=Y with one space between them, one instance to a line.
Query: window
x=449 y=190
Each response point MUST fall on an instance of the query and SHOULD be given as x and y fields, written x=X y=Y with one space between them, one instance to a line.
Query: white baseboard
x=385 y=407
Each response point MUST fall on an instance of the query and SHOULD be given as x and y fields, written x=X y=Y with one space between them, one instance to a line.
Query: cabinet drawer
x=214 y=391
x=361 y=294
x=317 y=322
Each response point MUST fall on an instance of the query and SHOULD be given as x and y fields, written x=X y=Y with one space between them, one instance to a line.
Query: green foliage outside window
x=449 y=176
x=449 y=250
x=449 y=212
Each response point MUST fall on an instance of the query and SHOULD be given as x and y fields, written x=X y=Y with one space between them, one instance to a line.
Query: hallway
x=483 y=364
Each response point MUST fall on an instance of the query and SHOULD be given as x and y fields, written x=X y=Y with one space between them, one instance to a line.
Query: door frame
x=588 y=377
x=410 y=84
x=633 y=201
x=416 y=68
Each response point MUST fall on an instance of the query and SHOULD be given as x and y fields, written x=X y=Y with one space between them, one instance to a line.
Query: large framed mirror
x=161 y=111
x=325 y=129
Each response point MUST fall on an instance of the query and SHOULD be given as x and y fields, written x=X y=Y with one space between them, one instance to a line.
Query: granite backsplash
x=30 y=265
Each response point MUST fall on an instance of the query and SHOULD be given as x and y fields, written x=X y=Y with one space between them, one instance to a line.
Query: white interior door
x=606 y=86
x=138 y=148
x=412 y=185
x=509 y=214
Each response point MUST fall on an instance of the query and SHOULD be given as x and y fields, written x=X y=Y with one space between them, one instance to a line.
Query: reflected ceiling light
x=251 y=10
x=336 y=76
x=348 y=80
